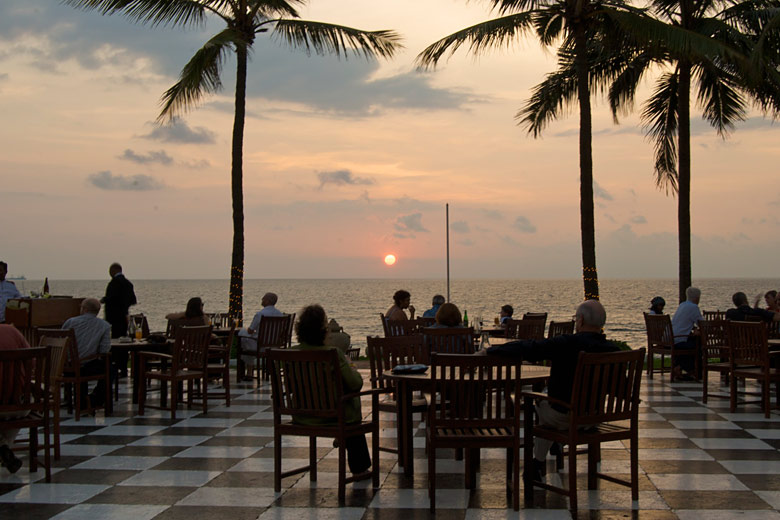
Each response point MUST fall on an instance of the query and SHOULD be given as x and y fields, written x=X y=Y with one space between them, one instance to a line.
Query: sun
x=390 y=259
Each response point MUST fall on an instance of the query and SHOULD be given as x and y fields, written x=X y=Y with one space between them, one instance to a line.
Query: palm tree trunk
x=236 y=303
x=587 y=223
x=684 y=180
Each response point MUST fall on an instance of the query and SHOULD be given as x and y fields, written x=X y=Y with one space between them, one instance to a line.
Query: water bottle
x=131 y=328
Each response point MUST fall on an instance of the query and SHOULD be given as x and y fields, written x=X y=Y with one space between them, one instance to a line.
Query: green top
x=353 y=382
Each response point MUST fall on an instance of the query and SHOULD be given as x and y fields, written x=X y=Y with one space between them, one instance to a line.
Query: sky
x=345 y=161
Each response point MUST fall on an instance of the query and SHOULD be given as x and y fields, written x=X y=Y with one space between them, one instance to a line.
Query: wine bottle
x=46 y=286
x=465 y=318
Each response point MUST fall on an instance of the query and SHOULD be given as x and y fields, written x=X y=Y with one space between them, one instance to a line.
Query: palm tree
x=245 y=19
x=706 y=44
x=580 y=26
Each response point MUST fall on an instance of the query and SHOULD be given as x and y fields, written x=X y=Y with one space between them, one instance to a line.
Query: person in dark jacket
x=743 y=309
x=118 y=299
x=563 y=351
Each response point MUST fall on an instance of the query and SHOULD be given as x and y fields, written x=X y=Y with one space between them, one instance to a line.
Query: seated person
x=311 y=330
x=248 y=336
x=685 y=318
x=563 y=351
x=336 y=337
x=448 y=316
x=10 y=339
x=657 y=305
x=193 y=315
x=506 y=314
x=396 y=312
x=743 y=310
x=771 y=299
x=93 y=337
x=437 y=302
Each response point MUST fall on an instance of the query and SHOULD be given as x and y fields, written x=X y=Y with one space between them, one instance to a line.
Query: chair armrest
x=160 y=355
x=373 y=391
x=89 y=358
x=545 y=397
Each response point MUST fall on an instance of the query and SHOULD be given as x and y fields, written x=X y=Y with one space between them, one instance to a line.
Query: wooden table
x=407 y=384
x=133 y=348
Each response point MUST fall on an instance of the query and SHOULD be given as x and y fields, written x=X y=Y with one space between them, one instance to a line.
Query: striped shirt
x=93 y=335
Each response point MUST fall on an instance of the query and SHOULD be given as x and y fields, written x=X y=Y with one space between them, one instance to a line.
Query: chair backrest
x=273 y=331
x=659 y=330
x=190 y=349
x=305 y=383
x=714 y=315
x=24 y=380
x=400 y=327
x=713 y=339
x=474 y=391
x=748 y=342
x=72 y=362
x=535 y=316
x=606 y=387
x=173 y=325
x=59 y=346
x=290 y=329
x=140 y=322
x=386 y=353
x=753 y=317
x=425 y=321
x=525 y=329
x=449 y=340
x=559 y=328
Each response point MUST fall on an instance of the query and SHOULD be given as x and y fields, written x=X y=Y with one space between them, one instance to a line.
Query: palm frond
x=622 y=90
x=324 y=38
x=548 y=99
x=661 y=124
x=550 y=24
x=717 y=93
x=275 y=8
x=514 y=6
x=480 y=37
x=153 y=12
x=200 y=76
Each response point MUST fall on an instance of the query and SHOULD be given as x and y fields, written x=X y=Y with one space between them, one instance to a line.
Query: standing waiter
x=118 y=299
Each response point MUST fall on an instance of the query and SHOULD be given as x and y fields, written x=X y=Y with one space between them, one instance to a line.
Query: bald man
x=93 y=337
x=248 y=336
x=564 y=352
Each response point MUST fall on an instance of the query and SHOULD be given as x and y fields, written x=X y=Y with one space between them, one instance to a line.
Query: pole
x=447 y=208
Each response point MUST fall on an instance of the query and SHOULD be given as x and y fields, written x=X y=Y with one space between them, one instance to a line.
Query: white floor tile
x=170 y=478
x=418 y=499
x=110 y=512
x=752 y=467
x=717 y=514
x=731 y=444
x=171 y=440
x=129 y=430
x=248 y=431
x=266 y=464
x=219 y=452
x=226 y=497
x=205 y=422
x=319 y=513
x=53 y=493
x=109 y=462
x=697 y=482
x=673 y=454
x=705 y=425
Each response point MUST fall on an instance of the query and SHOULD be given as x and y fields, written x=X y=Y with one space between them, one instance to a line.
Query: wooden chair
x=386 y=353
x=24 y=398
x=309 y=384
x=218 y=367
x=660 y=340
x=472 y=408
x=750 y=359
x=605 y=392
x=58 y=346
x=400 y=328
x=273 y=332
x=715 y=353
x=535 y=316
x=714 y=315
x=353 y=354
x=425 y=321
x=140 y=322
x=187 y=363
x=449 y=340
x=72 y=378
x=559 y=328
x=525 y=329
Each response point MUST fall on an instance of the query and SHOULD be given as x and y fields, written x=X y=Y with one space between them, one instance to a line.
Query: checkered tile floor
x=696 y=462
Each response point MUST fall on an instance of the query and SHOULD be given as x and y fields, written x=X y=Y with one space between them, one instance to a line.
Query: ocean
x=356 y=303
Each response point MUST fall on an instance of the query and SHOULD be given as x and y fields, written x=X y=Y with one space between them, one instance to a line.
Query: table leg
x=405 y=430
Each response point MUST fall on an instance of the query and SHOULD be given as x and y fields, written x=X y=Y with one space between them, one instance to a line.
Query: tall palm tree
x=579 y=26
x=708 y=45
x=245 y=19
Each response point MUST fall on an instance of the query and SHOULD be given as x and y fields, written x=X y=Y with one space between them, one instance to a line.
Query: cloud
x=160 y=157
x=460 y=227
x=410 y=224
x=180 y=132
x=524 y=225
x=342 y=178
x=196 y=164
x=600 y=193
x=4 y=76
x=638 y=219
x=105 y=180
x=492 y=214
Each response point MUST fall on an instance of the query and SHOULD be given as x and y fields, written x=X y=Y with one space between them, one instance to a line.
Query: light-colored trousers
x=551 y=418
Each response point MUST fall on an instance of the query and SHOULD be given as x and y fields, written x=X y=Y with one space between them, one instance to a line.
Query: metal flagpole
x=448 y=250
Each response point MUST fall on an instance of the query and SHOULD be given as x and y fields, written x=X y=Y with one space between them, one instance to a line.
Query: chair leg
x=705 y=382
x=765 y=396
x=432 y=477
x=141 y=387
x=277 y=461
x=174 y=398
x=732 y=393
x=56 y=425
x=313 y=459
x=593 y=461
x=226 y=383
x=342 y=470
x=634 y=464
x=528 y=453
x=77 y=403
x=573 y=478
x=204 y=393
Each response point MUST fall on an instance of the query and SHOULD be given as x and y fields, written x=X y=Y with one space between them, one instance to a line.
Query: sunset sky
x=345 y=161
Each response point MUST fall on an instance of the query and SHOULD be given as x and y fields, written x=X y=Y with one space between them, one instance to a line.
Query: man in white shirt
x=93 y=337
x=8 y=290
x=248 y=336
x=685 y=318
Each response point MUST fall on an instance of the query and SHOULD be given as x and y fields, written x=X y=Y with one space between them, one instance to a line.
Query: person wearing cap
x=657 y=305
x=336 y=337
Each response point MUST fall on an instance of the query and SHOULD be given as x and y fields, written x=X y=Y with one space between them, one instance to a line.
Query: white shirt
x=93 y=335
x=270 y=310
x=686 y=316
x=7 y=290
